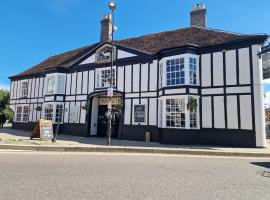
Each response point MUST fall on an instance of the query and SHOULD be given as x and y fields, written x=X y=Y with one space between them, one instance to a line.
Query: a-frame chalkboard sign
x=43 y=129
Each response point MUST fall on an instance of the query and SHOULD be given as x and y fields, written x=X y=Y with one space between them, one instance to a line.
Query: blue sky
x=32 y=30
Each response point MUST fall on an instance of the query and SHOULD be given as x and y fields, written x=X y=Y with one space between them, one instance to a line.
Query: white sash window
x=103 y=77
x=55 y=83
x=22 y=113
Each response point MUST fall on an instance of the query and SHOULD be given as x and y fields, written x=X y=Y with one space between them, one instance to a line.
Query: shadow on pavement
x=262 y=164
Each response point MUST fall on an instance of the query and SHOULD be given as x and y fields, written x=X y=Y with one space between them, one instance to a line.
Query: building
x=192 y=85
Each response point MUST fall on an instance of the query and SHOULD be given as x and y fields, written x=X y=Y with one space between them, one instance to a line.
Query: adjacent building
x=193 y=85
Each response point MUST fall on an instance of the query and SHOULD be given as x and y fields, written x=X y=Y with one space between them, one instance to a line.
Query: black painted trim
x=237 y=66
x=213 y=111
x=252 y=89
x=238 y=112
x=212 y=71
x=225 y=96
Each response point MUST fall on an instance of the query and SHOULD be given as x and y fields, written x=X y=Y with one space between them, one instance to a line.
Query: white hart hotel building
x=193 y=85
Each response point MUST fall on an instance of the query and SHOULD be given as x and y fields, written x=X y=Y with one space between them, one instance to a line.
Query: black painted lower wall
x=218 y=137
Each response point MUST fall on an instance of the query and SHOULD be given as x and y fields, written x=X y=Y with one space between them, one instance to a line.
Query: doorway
x=98 y=116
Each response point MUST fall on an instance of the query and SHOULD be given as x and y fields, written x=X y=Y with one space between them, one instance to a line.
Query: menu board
x=43 y=129
x=139 y=113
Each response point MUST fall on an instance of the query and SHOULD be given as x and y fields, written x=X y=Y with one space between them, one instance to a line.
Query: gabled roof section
x=148 y=44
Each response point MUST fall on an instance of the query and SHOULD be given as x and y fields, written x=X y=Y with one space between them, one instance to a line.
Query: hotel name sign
x=105 y=101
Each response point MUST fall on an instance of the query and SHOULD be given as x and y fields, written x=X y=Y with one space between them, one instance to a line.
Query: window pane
x=175 y=113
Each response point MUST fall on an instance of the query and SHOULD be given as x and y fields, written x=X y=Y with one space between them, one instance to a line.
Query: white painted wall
x=244 y=66
x=153 y=76
x=259 y=98
x=128 y=78
x=206 y=112
x=73 y=83
x=36 y=87
x=83 y=113
x=79 y=83
x=136 y=78
x=120 y=79
x=232 y=114
x=94 y=116
x=124 y=54
x=206 y=70
x=91 y=81
x=66 y=115
x=68 y=84
x=219 y=117
x=144 y=77
x=85 y=83
x=245 y=112
x=231 y=67
x=218 y=69
x=152 y=111
x=127 y=111
x=90 y=59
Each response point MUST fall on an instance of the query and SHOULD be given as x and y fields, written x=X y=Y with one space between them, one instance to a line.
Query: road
x=77 y=176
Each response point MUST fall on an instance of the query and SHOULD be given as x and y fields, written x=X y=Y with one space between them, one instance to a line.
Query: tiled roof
x=151 y=43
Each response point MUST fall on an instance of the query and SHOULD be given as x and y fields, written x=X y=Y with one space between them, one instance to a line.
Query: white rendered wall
x=206 y=70
x=85 y=82
x=94 y=116
x=152 y=111
x=91 y=81
x=120 y=79
x=123 y=54
x=68 y=84
x=259 y=98
x=144 y=77
x=79 y=83
x=136 y=77
x=73 y=82
x=153 y=76
x=83 y=113
x=245 y=112
x=232 y=114
x=219 y=118
x=90 y=59
x=206 y=112
x=218 y=69
x=127 y=111
x=244 y=66
x=231 y=67
x=128 y=78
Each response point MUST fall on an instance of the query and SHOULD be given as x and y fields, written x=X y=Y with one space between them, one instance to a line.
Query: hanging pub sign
x=139 y=113
x=43 y=129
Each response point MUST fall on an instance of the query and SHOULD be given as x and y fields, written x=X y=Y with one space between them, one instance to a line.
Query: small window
x=24 y=89
x=175 y=113
x=103 y=78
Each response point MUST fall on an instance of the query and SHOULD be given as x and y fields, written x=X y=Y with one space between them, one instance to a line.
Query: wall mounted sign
x=105 y=101
x=103 y=54
x=139 y=113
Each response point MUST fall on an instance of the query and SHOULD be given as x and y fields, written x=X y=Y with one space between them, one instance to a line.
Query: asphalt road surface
x=75 y=176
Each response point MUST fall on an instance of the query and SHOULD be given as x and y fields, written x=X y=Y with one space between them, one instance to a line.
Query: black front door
x=103 y=122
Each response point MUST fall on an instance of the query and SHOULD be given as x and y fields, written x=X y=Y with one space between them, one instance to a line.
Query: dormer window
x=55 y=84
x=24 y=89
x=103 y=77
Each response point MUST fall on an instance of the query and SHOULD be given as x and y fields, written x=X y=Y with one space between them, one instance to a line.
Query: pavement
x=20 y=140
x=36 y=175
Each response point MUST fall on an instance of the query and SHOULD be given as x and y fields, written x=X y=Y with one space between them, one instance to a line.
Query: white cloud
x=60 y=6
x=266 y=81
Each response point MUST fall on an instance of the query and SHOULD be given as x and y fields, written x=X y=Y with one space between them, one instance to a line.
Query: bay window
x=103 y=77
x=178 y=112
x=53 y=112
x=179 y=70
x=55 y=84
x=22 y=113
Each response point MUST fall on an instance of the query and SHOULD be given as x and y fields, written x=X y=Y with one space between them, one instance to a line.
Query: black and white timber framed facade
x=188 y=86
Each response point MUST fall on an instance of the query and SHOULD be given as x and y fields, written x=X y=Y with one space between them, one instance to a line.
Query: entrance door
x=103 y=121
